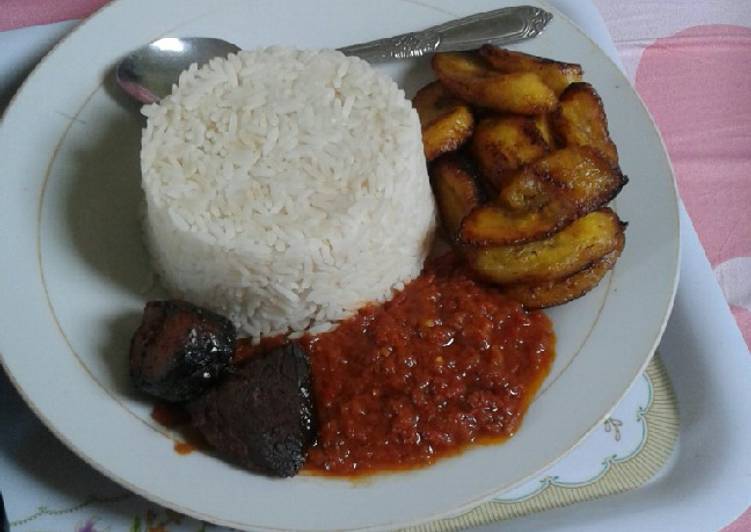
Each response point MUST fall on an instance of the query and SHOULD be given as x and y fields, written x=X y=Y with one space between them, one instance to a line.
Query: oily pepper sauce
x=446 y=363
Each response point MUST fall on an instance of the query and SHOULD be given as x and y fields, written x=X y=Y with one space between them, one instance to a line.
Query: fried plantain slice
x=525 y=191
x=580 y=121
x=579 y=172
x=455 y=190
x=544 y=126
x=554 y=74
x=446 y=121
x=544 y=197
x=553 y=293
x=493 y=224
x=501 y=144
x=469 y=77
x=559 y=256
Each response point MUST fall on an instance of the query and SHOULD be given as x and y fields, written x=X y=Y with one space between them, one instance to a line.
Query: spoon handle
x=501 y=26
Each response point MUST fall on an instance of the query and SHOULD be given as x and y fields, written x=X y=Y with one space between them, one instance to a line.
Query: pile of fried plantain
x=522 y=166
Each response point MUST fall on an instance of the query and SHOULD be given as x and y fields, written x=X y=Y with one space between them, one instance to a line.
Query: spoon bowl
x=148 y=73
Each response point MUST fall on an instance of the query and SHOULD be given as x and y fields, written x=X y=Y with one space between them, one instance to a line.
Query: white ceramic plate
x=75 y=276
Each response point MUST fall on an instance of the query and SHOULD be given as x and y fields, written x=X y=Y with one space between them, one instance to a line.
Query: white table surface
x=707 y=483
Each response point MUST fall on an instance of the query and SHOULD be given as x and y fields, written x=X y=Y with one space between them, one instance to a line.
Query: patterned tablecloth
x=690 y=62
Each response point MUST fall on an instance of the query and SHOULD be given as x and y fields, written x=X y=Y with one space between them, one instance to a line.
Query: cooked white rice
x=285 y=188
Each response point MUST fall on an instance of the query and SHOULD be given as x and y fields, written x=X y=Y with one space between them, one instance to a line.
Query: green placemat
x=660 y=422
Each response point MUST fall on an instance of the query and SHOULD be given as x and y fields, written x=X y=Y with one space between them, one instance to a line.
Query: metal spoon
x=149 y=73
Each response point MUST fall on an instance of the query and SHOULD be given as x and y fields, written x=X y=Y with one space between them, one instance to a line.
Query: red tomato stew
x=446 y=363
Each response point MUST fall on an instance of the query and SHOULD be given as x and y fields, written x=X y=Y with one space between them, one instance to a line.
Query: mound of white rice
x=285 y=188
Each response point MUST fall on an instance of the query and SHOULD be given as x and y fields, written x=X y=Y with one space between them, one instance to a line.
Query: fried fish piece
x=580 y=121
x=262 y=414
x=468 y=76
x=180 y=350
x=502 y=144
x=455 y=190
x=557 y=257
x=553 y=293
x=446 y=121
x=544 y=197
x=554 y=74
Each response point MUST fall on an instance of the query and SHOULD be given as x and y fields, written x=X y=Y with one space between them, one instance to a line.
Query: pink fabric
x=20 y=13
x=696 y=84
x=691 y=67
